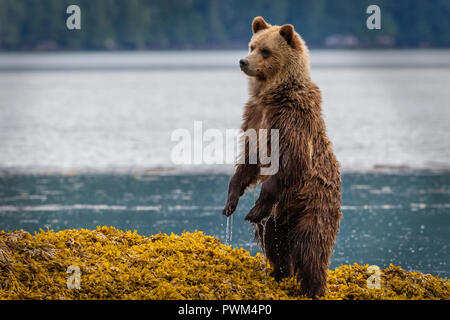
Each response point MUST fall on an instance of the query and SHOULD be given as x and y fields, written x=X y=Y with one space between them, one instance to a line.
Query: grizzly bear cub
x=297 y=214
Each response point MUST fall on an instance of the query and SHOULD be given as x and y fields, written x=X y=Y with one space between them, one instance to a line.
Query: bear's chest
x=255 y=117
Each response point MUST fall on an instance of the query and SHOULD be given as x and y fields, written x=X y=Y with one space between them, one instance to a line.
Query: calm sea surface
x=387 y=218
x=85 y=140
x=103 y=111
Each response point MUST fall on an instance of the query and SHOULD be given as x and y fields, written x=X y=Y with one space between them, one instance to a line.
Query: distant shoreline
x=151 y=60
x=240 y=46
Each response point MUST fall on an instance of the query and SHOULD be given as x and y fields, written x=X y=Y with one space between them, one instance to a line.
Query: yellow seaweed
x=118 y=264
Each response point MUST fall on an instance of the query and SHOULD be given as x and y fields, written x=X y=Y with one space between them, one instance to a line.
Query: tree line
x=175 y=24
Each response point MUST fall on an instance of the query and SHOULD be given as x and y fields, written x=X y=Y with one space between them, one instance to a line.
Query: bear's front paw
x=256 y=214
x=231 y=205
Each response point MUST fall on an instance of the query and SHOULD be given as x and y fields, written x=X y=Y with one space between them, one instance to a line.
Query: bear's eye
x=252 y=48
x=265 y=53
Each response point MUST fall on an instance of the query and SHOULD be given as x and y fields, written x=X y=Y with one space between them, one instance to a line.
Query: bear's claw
x=230 y=207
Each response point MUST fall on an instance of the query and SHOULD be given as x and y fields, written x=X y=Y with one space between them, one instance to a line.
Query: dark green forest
x=191 y=24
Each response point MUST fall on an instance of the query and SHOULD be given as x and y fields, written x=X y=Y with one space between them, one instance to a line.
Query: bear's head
x=275 y=52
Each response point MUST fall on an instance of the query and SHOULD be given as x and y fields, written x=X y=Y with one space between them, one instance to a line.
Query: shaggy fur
x=297 y=214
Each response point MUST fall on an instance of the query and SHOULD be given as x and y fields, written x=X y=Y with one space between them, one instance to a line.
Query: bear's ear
x=259 y=24
x=287 y=32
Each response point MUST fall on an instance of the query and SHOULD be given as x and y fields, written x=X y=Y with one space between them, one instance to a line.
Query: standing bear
x=297 y=214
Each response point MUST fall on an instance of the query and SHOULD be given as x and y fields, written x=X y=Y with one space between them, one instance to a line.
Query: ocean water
x=117 y=111
x=387 y=218
x=85 y=140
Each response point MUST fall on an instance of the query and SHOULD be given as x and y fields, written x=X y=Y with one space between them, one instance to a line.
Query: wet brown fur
x=297 y=214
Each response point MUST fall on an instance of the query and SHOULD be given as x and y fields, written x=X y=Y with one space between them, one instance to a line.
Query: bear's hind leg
x=314 y=242
x=273 y=238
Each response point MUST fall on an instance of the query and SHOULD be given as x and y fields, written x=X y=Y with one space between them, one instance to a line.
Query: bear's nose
x=243 y=63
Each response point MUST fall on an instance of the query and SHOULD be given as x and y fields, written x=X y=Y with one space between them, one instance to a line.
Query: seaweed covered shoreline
x=115 y=264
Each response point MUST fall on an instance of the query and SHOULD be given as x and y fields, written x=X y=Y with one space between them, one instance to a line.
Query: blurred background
x=86 y=117
x=203 y=24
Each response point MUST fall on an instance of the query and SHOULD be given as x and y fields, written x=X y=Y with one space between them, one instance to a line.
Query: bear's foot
x=257 y=214
x=312 y=291
x=278 y=275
